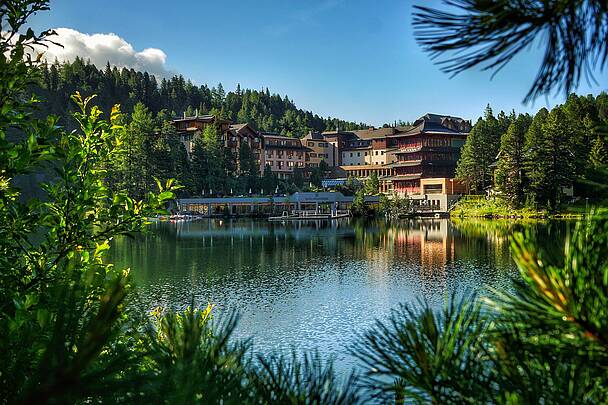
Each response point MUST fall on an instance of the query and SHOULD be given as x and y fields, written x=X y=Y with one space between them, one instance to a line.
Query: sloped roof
x=431 y=123
x=374 y=133
x=238 y=127
x=276 y=135
x=203 y=118
x=317 y=136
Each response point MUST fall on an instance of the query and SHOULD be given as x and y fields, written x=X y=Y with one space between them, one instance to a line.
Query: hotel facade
x=417 y=159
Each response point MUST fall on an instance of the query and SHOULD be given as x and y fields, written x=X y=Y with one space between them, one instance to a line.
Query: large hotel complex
x=417 y=159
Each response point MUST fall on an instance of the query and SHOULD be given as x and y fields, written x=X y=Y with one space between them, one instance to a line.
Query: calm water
x=316 y=285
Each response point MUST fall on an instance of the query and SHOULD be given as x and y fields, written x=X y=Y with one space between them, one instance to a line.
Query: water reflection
x=315 y=285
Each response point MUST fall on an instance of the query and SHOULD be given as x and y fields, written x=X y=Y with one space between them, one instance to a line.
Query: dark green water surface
x=317 y=285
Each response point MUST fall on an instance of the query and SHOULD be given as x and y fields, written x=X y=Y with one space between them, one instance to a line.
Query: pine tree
x=549 y=159
x=533 y=156
x=213 y=151
x=199 y=166
x=298 y=178
x=269 y=180
x=479 y=152
x=138 y=173
x=598 y=156
x=510 y=176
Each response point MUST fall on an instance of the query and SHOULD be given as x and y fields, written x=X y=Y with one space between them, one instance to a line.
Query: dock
x=310 y=216
x=298 y=206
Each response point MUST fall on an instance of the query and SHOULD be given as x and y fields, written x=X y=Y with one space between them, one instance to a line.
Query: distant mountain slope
x=265 y=111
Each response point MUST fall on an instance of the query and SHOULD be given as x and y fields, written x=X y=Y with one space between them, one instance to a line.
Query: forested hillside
x=263 y=110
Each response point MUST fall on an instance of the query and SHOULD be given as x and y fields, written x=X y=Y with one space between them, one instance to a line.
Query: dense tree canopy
x=176 y=95
x=533 y=160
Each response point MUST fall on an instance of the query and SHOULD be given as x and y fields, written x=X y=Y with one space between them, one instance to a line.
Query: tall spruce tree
x=213 y=147
x=269 y=180
x=598 y=157
x=550 y=160
x=510 y=176
x=199 y=166
x=248 y=167
x=479 y=152
x=139 y=142
x=533 y=157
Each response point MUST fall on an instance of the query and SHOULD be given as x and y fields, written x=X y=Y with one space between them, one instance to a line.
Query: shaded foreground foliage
x=542 y=341
x=67 y=336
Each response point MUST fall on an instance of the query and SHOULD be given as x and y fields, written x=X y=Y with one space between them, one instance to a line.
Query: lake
x=315 y=286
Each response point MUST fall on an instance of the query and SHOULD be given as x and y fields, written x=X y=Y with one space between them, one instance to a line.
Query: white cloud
x=103 y=48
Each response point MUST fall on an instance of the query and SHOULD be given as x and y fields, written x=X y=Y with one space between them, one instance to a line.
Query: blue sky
x=352 y=59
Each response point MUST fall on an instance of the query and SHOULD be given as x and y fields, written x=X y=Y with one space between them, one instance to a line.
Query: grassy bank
x=480 y=207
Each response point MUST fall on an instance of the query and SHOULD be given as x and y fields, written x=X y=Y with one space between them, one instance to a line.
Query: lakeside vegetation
x=67 y=336
x=476 y=206
x=525 y=164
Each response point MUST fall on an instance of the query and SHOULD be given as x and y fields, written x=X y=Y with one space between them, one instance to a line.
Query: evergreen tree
x=510 y=176
x=199 y=166
x=583 y=116
x=479 y=152
x=170 y=160
x=269 y=180
x=213 y=147
x=598 y=157
x=139 y=142
x=248 y=167
x=372 y=184
x=298 y=178
x=549 y=160
x=533 y=164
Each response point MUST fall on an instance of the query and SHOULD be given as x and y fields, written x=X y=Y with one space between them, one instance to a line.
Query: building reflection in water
x=425 y=249
x=313 y=285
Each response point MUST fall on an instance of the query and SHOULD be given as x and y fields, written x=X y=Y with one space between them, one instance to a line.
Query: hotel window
x=376 y=153
x=358 y=154
x=290 y=164
x=351 y=154
x=365 y=153
x=313 y=155
x=311 y=144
